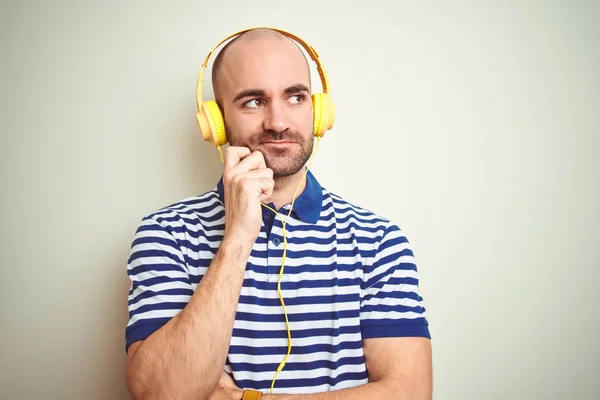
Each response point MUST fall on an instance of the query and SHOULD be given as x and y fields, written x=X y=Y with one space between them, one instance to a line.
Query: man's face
x=266 y=102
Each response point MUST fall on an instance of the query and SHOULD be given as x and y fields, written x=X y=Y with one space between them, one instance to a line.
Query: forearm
x=184 y=358
x=380 y=390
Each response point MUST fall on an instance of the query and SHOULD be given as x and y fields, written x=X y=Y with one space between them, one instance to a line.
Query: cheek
x=304 y=119
x=242 y=125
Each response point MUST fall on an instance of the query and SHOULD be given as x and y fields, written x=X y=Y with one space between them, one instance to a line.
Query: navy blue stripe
x=300 y=300
x=142 y=254
x=195 y=208
x=310 y=349
x=286 y=285
x=295 y=383
x=397 y=294
x=146 y=294
x=148 y=321
x=158 y=306
x=412 y=328
x=278 y=252
x=389 y=273
x=292 y=317
x=386 y=308
x=353 y=229
x=395 y=282
x=198 y=263
x=157 y=280
x=202 y=246
x=192 y=219
x=141 y=331
x=296 y=333
x=154 y=268
x=168 y=242
x=298 y=366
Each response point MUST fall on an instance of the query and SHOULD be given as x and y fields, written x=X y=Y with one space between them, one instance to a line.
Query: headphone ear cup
x=211 y=124
x=324 y=113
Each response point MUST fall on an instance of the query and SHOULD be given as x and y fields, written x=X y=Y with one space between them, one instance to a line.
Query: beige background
x=474 y=125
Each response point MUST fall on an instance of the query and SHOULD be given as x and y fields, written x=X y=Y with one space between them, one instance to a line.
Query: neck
x=285 y=186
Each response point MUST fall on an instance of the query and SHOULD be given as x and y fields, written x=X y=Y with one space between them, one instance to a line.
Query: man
x=204 y=271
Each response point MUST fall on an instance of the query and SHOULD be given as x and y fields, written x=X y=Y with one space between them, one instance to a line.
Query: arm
x=184 y=358
x=399 y=369
x=194 y=342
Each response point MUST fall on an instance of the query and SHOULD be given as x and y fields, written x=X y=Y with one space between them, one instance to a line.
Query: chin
x=280 y=171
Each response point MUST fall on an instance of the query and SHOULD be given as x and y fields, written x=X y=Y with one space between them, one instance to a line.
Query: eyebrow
x=300 y=87
x=249 y=93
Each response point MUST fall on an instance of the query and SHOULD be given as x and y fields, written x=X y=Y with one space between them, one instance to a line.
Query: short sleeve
x=391 y=305
x=160 y=283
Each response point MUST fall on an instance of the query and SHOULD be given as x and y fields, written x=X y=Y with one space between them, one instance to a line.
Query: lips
x=277 y=143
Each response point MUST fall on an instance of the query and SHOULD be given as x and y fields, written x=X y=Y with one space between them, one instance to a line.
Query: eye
x=254 y=103
x=297 y=98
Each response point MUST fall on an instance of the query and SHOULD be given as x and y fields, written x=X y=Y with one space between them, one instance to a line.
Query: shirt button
x=276 y=241
x=266 y=215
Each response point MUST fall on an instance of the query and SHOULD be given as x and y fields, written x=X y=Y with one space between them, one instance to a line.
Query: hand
x=226 y=389
x=247 y=181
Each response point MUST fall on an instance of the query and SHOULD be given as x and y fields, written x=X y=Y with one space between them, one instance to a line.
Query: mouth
x=277 y=143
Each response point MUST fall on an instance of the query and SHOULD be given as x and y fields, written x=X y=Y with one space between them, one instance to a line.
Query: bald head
x=257 y=43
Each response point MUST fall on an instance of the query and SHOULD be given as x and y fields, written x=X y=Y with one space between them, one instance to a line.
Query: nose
x=275 y=117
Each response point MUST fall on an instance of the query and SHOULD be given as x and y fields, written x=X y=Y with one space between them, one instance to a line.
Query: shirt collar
x=307 y=206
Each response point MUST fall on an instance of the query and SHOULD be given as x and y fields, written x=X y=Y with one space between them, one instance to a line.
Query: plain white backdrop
x=474 y=125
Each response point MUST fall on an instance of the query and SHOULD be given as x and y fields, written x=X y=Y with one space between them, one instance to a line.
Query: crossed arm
x=167 y=364
x=398 y=368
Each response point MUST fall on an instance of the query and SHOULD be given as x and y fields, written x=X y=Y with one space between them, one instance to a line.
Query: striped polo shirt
x=349 y=275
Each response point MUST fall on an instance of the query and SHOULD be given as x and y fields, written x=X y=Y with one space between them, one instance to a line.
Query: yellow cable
x=284 y=223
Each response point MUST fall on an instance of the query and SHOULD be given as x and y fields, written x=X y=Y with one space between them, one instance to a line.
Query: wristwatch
x=250 y=394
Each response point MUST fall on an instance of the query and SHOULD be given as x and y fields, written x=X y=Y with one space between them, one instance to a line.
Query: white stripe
x=153 y=314
x=308 y=374
x=390 y=315
x=390 y=301
x=301 y=292
x=303 y=276
x=296 y=325
x=307 y=341
x=162 y=286
x=296 y=358
x=300 y=309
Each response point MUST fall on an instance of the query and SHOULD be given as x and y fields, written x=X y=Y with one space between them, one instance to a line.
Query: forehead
x=269 y=64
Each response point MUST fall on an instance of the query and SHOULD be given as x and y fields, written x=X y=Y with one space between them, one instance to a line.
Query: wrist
x=237 y=244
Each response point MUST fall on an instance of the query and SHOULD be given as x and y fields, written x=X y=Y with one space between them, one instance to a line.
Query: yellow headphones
x=210 y=118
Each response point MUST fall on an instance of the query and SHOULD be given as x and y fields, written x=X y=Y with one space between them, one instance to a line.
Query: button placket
x=275 y=246
x=268 y=221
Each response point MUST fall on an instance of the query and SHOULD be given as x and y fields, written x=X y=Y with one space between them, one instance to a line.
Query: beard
x=284 y=161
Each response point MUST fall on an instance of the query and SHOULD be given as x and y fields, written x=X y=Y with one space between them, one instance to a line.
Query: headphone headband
x=309 y=49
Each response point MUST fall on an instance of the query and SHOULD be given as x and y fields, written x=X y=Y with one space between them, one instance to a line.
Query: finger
x=255 y=174
x=254 y=161
x=256 y=181
x=266 y=188
x=259 y=181
x=234 y=154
